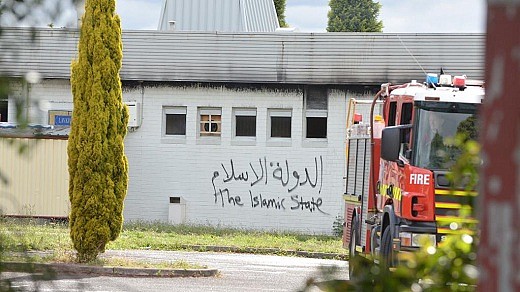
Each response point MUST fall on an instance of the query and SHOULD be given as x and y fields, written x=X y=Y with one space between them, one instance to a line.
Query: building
x=237 y=129
x=221 y=16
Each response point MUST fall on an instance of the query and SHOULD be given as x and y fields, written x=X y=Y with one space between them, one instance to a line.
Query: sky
x=406 y=16
x=398 y=16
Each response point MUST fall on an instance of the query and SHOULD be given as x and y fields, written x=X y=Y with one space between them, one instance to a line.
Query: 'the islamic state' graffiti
x=262 y=172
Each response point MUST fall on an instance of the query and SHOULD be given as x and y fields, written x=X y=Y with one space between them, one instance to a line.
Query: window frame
x=209 y=111
x=244 y=112
x=392 y=113
x=316 y=105
x=174 y=110
x=285 y=112
x=316 y=114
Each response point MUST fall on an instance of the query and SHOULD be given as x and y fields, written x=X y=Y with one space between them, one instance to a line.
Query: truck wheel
x=352 y=247
x=386 y=248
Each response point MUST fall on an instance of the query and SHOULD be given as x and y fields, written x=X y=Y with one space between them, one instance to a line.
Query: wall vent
x=177 y=210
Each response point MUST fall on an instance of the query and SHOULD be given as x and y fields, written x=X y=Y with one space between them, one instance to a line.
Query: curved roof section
x=219 y=15
x=290 y=58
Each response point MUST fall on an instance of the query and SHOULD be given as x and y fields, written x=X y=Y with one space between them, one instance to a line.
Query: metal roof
x=219 y=15
x=292 y=58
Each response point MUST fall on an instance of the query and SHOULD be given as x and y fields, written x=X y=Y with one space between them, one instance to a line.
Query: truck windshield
x=435 y=128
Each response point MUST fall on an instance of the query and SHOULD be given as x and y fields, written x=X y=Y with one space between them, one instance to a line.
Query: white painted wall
x=50 y=94
x=161 y=167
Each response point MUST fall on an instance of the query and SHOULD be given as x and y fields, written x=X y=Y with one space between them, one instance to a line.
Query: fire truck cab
x=397 y=192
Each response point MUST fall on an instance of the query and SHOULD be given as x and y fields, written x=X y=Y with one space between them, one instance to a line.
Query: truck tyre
x=386 y=248
x=352 y=247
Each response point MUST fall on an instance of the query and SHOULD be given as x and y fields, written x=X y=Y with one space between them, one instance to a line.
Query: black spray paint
x=261 y=172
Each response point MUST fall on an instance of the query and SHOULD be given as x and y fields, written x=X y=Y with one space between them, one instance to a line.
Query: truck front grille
x=448 y=205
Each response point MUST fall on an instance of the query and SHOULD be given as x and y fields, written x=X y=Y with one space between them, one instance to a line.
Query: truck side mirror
x=390 y=143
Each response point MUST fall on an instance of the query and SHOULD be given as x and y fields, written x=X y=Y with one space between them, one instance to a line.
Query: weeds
x=26 y=235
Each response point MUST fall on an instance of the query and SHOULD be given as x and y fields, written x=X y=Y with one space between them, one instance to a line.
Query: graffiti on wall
x=278 y=174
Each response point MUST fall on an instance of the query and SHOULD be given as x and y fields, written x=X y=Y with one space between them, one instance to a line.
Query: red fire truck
x=398 y=193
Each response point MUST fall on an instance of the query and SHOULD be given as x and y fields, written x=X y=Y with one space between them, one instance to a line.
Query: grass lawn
x=36 y=235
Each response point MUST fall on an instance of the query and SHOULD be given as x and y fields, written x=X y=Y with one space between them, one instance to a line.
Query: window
x=316 y=124
x=406 y=119
x=245 y=122
x=280 y=123
x=210 y=122
x=406 y=113
x=3 y=110
x=392 y=113
x=174 y=121
x=316 y=106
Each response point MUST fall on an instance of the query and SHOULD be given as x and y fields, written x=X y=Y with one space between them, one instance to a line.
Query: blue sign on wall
x=62 y=120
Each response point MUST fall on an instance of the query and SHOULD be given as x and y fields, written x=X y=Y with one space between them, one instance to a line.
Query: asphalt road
x=238 y=272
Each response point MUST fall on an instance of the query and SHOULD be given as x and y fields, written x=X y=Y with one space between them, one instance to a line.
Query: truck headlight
x=422 y=239
x=417 y=239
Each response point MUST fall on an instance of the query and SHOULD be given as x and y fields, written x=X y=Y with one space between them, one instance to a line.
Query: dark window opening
x=281 y=127
x=316 y=106
x=316 y=127
x=316 y=97
x=175 y=124
x=392 y=113
x=3 y=110
x=406 y=113
x=245 y=126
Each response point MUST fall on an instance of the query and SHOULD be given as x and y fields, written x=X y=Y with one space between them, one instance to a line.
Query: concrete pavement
x=66 y=268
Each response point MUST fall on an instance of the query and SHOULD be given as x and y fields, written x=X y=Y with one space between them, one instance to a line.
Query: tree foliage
x=354 y=16
x=447 y=267
x=98 y=168
x=279 y=5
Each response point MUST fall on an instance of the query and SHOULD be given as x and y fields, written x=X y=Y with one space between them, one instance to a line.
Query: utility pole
x=499 y=207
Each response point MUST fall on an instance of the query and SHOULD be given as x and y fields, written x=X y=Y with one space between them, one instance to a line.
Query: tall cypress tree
x=354 y=16
x=98 y=168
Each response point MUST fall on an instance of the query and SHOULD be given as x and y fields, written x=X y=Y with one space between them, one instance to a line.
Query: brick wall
x=200 y=172
x=161 y=168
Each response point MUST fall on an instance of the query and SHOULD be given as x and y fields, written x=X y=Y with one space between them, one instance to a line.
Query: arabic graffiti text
x=278 y=177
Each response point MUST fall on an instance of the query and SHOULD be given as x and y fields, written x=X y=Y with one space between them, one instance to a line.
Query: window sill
x=279 y=142
x=243 y=142
x=173 y=140
x=208 y=141
x=315 y=143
